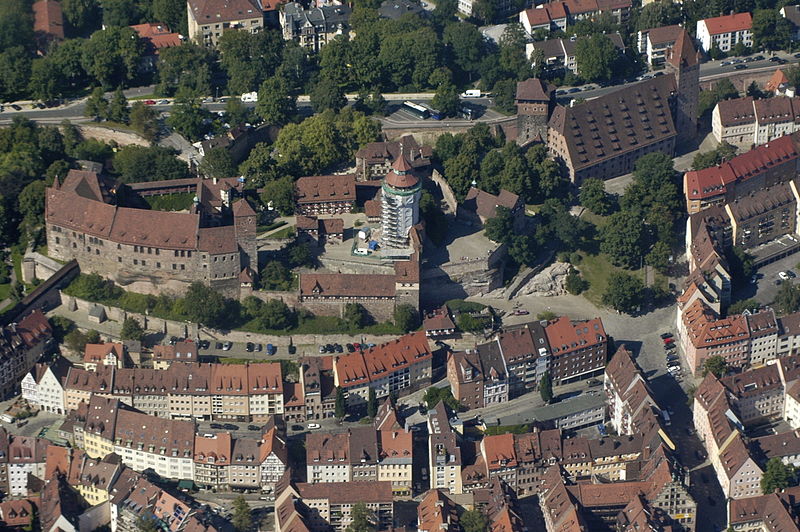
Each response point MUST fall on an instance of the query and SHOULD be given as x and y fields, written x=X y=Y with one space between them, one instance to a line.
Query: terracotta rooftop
x=377 y=362
x=664 y=34
x=565 y=335
x=380 y=152
x=534 y=89
x=485 y=204
x=437 y=512
x=48 y=18
x=729 y=23
x=348 y=492
x=216 y=450
x=736 y=112
x=156 y=36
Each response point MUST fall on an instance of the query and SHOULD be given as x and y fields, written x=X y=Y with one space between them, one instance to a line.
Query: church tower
x=400 y=194
x=683 y=61
x=244 y=222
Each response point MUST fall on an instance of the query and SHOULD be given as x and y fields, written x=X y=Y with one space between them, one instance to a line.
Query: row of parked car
x=339 y=348
x=671 y=355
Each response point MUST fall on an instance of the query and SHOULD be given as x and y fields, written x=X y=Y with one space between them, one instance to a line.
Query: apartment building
x=776 y=511
x=180 y=351
x=208 y=20
x=725 y=32
x=330 y=505
x=764 y=166
x=26 y=456
x=437 y=512
x=627 y=391
x=578 y=349
x=375 y=160
x=478 y=378
x=655 y=43
x=444 y=454
x=745 y=122
x=43 y=386
x=315 y=27
x=703 y=334
x=560 y=53
x=212 y=460
x=21 y=345
x=402 y=365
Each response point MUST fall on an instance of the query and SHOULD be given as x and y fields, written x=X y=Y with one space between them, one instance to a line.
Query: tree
x=658 y=14
x=82 y=16
x=546 y=388
x=120 y=13
x=622 y=239
x=574 y=283
x=362 y=519
x=118 y=108
x=593 y=196
x=274 y=315
x=31 y=204
x=659 y=256
x=131 y=330
x=446 y=99
x=741 y=306
x=500 y=228
x=595 y=56
x=771 y=31
x=134 y=164
x=776 y=477
x=111 y=56
x=340 y=405
x=205 y=305
x=249 y=58
x=355 y=315
x=185 y=69
x=172 y=13
x=242 y=519
x=723 y=152
x=787 y=300
x=624 y=292
x=218 y=163
x=715 y=365
x=279 y=195
x=96 y=105
x=188 y=118
x=406 y=317
x=474 y=521
x=372 y=404
x=275 y=276
x=144 y=120
x=466 y=45
x=434 y=395
x=327 y=94
x=300 y=255
x=236 y=112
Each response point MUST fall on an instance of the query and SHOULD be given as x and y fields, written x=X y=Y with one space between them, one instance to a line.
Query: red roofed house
x=704 y=334
x=548 y=17
x=398 y=366
x=212 y=456
x=578 y=349
x=439 y=323
x=155 y=37
x=111 y=354
x=48 y=23
x=478 y=207
x=725 y=32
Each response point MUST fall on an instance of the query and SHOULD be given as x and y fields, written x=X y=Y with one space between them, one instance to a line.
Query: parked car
x=668 y=341
x=313 y=426
x=271 y=349
x=791 y=274
x=292 y=349
x=338 y=348
x=216 y=426
x=739 y=67
x=666 y=335
x=258 y=348
x=593 y=382
x=227 y=346
x=672 y=358
x=521 y=312
x=673 y=364
x=203 y=344
x=783 y=275
x=16 y=107
x=297 y=427
x=230 y=426
x=758 y=58
x=218 y=345
x=253 y=427
x=323 y=349
x=149 y=102
x=249 y=347
x=350 y=348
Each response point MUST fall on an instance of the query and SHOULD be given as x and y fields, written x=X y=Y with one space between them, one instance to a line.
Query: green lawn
x=5 y=289
x=170 y=202
x=286 y=232
x=597 y=269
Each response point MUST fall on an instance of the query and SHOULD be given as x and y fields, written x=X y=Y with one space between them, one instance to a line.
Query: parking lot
x=766 y=286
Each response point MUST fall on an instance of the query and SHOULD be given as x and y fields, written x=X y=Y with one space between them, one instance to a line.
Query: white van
x=250 y=97
x=361 y=251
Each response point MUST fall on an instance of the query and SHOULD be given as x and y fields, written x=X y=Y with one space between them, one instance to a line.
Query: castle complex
x=151 y=251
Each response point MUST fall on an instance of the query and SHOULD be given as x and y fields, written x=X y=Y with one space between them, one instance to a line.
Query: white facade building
x=725 y=32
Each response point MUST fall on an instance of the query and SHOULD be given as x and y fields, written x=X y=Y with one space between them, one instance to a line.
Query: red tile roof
x=216 y=11
x=157 y=36
x=565 y=335
x=215 y=450
x=361 y=367
x=729 y=23
x=48 y=18
x=346 y=285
